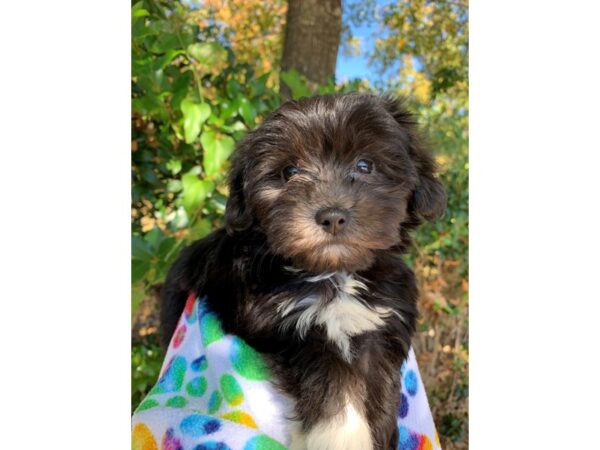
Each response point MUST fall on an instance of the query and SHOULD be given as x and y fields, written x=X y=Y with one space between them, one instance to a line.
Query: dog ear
x=237 y=215
x=429 y=196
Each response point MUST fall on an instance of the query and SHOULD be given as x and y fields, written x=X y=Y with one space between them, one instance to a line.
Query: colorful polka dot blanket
x=213 y=393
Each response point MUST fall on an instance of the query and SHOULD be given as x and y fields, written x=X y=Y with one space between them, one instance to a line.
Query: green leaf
x=216 y=150
x=178 y=218
x=235 y=126
x=194 y=115
x=165 y=247
x=163 y=61
x=165 y=42
x=174 y=186
x=140 y=249
x=138 y=269
x=174 y=166
x=208 y=53
x=247 y=111
x=228 y=109
x=200 y=229
x=194 y=191
x=154 y=237
x=138 y=11
x=296 y=83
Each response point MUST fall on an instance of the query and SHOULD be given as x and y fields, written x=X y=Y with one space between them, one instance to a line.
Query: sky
x=349 y=67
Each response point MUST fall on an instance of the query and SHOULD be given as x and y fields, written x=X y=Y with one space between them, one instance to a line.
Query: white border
x=65 y=319
x=534 y=216
x=64 y=322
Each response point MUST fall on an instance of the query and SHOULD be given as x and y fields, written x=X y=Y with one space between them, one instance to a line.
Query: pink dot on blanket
x=179 y=336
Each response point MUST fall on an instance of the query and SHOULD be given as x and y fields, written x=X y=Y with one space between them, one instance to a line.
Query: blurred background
x=204 y=72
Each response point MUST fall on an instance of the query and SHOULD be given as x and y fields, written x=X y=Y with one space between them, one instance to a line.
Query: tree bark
x=311 y=41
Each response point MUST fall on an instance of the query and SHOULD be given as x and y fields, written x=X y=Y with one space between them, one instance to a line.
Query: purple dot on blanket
x=170 y=442
x=212 y=445
x=411 y=382
x=198 y=425
x=403 y=411
x=263 y=442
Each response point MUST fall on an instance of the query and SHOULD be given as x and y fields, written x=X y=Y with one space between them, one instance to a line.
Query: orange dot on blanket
x=425 y=443
x=240 y=417
x=142 y=438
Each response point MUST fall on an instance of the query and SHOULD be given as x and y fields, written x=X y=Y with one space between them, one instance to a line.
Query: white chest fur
x=344 y=316
x=347 y=430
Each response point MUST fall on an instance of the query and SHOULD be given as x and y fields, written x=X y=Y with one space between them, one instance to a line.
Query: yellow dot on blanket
x=240 y=417
x=142 y=438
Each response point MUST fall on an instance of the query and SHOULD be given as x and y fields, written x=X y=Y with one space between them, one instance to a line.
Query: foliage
x=146 y=361
x=191 y=102
x=254 y=29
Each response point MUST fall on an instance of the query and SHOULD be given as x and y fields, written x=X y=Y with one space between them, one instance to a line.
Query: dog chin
x=335 y=258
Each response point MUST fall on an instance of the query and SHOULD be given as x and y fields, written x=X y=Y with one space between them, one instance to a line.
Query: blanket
x=213 y=393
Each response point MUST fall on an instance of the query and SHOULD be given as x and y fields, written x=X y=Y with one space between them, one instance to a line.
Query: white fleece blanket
x=213 y=393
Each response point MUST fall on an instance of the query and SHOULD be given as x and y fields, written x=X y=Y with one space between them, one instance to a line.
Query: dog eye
x=364 y=166
x=290 y=171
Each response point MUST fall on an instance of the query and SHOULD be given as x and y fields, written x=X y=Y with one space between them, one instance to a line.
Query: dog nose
x=333 y=220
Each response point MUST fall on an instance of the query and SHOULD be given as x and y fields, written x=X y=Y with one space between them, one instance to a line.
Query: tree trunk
x=312 y=38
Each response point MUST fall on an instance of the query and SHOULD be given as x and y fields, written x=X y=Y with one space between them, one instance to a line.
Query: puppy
x=323 y=195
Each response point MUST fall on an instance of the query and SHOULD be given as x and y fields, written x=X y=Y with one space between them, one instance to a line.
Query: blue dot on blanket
x=403 y=411
x=212 y=445
x=198 y=425
x=411 y=382
x=199 y=364
x=172 y=379
x=408 y=440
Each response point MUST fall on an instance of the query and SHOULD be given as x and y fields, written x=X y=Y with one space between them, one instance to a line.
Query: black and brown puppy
x=323 y=195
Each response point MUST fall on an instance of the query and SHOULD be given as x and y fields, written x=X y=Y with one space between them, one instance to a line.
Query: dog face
x=331 y=180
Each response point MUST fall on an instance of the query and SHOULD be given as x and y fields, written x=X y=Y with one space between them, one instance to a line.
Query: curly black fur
x=272 y=253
